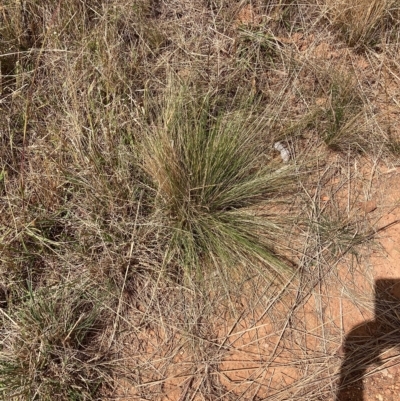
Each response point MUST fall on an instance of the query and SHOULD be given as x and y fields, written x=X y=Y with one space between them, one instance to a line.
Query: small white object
x=284 y=152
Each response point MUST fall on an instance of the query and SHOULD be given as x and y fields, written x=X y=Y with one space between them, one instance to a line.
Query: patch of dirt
x=248 y=16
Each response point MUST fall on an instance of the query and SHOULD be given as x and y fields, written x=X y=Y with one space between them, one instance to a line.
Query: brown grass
x=365 y=23
x=95 y=184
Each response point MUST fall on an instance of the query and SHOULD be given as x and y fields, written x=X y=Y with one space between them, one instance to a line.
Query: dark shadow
x=365 y=343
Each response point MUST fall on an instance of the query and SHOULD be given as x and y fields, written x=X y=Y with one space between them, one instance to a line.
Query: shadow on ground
x=365 y=342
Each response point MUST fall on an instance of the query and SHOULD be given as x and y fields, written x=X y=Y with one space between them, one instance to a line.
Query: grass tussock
x=342 y=114
x=51 y=346
x=365 y=24
x=214 y=186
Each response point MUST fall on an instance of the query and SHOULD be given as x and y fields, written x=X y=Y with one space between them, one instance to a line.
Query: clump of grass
x=362 y=24
x=342 y=114
x=49 y=348
x=340 y=119
x=216 y=194
x=254 y=44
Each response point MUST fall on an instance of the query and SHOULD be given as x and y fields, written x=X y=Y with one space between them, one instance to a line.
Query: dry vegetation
x=152 y=243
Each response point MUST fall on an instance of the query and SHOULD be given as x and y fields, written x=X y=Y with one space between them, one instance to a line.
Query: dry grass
x=145 y=216
x=365 y=24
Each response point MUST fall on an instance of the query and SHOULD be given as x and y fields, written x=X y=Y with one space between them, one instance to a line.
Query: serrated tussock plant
x=49 y=345
x=218 y=192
